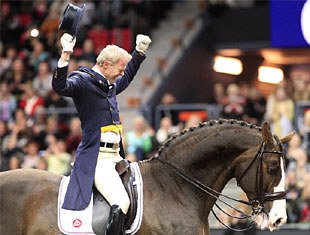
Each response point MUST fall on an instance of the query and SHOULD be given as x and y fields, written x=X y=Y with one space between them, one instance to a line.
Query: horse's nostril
x=278 y=221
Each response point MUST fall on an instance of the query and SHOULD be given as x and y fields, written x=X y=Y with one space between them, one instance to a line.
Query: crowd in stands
x=30 y=49
x=32 y=138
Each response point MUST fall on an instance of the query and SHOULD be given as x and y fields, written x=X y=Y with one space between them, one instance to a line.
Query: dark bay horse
x=178 y=183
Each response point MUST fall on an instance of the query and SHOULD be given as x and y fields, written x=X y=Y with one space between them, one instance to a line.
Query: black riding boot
x=116 y=221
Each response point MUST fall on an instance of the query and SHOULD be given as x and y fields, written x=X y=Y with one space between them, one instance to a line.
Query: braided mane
x=205 y=124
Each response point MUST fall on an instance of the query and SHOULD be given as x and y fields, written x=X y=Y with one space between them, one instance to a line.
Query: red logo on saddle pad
x=77 y=223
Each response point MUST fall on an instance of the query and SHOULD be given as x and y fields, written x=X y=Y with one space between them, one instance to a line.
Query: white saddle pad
x=79 y=222
x=73 y=222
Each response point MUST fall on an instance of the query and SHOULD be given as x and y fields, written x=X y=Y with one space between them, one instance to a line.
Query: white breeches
x=108 y=182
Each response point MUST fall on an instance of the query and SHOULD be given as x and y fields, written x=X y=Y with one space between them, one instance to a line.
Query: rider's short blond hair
x=112 y=53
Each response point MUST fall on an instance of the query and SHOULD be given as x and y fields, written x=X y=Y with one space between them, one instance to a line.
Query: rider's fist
x=67 y=42
x=142 y=43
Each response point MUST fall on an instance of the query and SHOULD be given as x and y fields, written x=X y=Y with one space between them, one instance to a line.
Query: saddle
x=101 y=207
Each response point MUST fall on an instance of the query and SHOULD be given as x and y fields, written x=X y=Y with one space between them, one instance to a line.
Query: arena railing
x=212 y=111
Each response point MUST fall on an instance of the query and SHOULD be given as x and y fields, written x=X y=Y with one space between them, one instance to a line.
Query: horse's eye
x=272 y=170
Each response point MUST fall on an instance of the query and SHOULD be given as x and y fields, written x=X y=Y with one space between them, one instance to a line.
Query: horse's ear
x=287 y=138
x=266 y=133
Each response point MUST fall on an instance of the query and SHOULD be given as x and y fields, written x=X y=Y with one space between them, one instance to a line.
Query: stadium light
x=227 y=65
x=270 y=74
x=34 y=33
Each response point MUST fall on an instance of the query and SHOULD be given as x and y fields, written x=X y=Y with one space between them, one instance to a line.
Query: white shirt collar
x=95 y=68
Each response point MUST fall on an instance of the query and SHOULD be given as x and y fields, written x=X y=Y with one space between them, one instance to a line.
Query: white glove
x=67 y=42
x=142 y=43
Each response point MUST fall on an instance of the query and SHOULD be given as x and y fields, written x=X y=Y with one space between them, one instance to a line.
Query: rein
x=213 y=193
x=256 y=204
x=198 y=184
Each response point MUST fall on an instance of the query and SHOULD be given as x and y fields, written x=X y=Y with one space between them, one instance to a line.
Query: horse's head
x=261 y=176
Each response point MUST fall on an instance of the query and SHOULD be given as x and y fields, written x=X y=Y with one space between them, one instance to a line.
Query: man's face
x=112 y=71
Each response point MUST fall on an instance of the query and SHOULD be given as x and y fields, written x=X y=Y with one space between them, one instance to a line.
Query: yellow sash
x=114 y=128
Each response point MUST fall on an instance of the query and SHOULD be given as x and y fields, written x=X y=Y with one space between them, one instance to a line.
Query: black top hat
x=71 y=19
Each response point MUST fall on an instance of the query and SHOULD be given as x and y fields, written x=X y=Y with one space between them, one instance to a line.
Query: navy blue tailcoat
x=96 y=107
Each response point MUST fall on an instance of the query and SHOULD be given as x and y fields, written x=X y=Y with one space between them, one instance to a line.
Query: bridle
x=261 y=195
x=256 y=204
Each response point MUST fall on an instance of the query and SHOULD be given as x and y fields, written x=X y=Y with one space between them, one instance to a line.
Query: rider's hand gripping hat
x=71 y=19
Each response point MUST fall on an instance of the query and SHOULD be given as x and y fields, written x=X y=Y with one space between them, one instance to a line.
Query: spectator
x=88 y=53
x=42 y=82
x=107 y=14
x=254 y=107
x=75 y=135
x=139 y=140
x=167 y=100
x=58 y=160
x=32 y=157
x=269 y=104
x=42 y=164
x=302 y=169
x=7 y=59
x=305 y=133
x=89 y=13
x=18 y=77
x=8 y=103
x=282 y=112
x=305 y=197
x=10 y=26
x=52 y=127
x=234 y=104
x=20 y=132
x=55 y=101
x=219 y=95
x=293 y=193
x=39 y=11
x=13 y=147
x=301 y=91
x=49 y=27
x=165 y=130
x=4 y=133
x=38 y=54
x=39 y=131
x=30 y=102
x=295 y=150
x=192 y=121
x=15 y=162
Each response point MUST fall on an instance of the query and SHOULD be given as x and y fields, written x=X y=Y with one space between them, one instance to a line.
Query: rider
x=94 y=93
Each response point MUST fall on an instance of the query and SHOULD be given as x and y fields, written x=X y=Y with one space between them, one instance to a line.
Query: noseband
x=256 y=204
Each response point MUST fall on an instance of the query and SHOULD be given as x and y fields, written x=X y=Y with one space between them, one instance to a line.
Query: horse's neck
x=204 y=156
x=210 y=164
x=165 y=191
